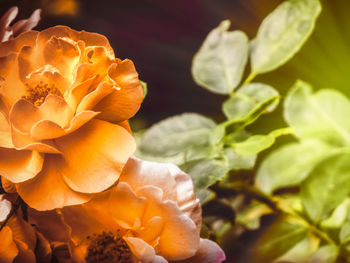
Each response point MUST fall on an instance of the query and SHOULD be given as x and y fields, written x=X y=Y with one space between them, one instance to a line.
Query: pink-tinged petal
x=5 y=133
x=91 y=99
x=27 y=24
x=140 y=249
x=127 y=206
x=19 y=166
x=49 y=184
x=95 y=155
x=208 y=252
x=44 y=130
x=5 y=31
x=5 y=208
x=8 y=248
x=24 y=115
x=185 y=242
x=123 y=103
x=138 y=173
x=151 y=230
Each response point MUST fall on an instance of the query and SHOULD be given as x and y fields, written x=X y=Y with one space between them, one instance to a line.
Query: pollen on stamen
x=37 y=94
x=108 y=248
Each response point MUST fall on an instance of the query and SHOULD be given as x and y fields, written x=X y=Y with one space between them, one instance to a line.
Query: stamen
x=108 y=248
x=36 y=95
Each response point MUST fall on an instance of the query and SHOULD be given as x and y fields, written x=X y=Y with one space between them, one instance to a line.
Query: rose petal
x=208 y=252
x=95 y=155
x=91 y=99
x=123 y=103
x=27 y=24
x=14 y=45
x=5 y=21
x=144 y=252
x=5 y=133
x=49 y=183
x=127 y=206
x=138 y=173
x=19 y=166
x=8 y=248
x=44 y=130
x=8 y=186
x=24 y=115
x=185 y=242
x=5 y=208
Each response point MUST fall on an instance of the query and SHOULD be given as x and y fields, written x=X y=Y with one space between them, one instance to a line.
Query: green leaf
x=177 y=134
x=325 y=254
x=144 y=89
x=302 y=251
x=290 y=164
x=326 y=187
x=205 y=195
x=344 y=234
x=278 y=238
x=321 y=115
x=338 y=216
x=239 y=162
x=282 y=33
x=219 y=64
x=257 y=143
x=249 y=100
x=205 y=172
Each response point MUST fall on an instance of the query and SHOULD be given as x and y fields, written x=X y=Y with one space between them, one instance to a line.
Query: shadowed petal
x=8 y=248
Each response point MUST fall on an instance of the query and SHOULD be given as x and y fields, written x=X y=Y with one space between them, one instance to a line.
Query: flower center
x=37 y=94
x=108 y=248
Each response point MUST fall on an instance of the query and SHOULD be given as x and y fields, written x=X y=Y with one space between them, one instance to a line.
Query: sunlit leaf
x=326 y=187
x=344 y=234
x=290 y=164
x=176 y=134
x=338 y=216
x=302 y=251
x=282 y=33
x=325 y=254
x=219 y=64
x=239 y=162
x=321 y=115
x=257 y=143
x=250 y=101
x=278 y=238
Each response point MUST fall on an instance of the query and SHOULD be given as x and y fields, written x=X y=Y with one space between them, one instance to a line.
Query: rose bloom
x=151 y=215
x=64 y=104
x=19 y=240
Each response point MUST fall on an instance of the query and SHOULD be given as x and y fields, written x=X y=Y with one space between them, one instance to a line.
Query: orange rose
x=64 y=102
x=152 y=215
x=19 y=241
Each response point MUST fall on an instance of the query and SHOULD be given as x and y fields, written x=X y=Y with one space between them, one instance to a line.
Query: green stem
x=268 y=200
x=250 y=77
